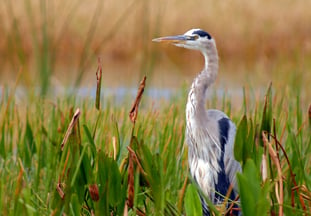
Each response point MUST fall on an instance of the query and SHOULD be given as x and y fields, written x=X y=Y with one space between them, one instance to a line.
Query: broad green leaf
x=248 y=202
x=192 y=201
x=102 y=207
x=109 y=180
x=252 y=195
x=114 y=183
x=241 y=136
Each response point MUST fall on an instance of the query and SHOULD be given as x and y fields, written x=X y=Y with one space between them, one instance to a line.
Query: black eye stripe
x=202 y=34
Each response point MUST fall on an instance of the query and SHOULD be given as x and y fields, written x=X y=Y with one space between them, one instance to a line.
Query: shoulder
x=220 y=117
x=226 y=127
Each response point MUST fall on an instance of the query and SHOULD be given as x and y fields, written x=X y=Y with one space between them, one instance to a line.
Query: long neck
x=197 y=93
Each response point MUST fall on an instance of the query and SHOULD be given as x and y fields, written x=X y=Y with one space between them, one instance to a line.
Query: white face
x=195 y=39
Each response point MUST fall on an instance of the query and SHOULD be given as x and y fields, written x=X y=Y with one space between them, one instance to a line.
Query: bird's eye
x=193 y=37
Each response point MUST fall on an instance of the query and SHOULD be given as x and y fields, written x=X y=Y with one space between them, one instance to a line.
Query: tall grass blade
x=117 y=139
x=2 y=141
x=244 y=101
x=267 y=113
x=29 y=145
x=91 y=141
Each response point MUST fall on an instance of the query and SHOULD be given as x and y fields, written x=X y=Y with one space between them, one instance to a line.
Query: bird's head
x=195 y=39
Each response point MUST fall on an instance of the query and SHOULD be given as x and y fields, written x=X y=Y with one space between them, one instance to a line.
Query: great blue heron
x=210 y=133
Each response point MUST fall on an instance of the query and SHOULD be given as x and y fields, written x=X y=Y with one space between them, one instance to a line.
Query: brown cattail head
x=134 y=110
x=94 y=192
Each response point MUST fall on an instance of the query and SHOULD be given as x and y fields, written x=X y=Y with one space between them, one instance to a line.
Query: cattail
x=94 y=193
x=134 y=111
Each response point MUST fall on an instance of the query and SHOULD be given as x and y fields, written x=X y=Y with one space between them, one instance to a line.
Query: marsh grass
x=70 y=157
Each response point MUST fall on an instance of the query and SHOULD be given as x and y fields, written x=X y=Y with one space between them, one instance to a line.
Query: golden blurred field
x=258 y=41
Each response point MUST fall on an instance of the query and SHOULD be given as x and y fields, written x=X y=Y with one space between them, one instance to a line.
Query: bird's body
x=210 y=133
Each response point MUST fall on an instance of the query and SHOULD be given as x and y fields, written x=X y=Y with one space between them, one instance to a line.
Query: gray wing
x=229 y=166
x=227 y=133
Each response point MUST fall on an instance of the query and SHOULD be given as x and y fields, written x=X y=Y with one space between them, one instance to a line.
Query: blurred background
x=56 y=44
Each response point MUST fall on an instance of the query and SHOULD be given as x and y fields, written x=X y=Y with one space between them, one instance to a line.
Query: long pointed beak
x=172 y=39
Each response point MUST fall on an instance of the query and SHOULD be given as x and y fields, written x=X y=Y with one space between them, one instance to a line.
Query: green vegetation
x=72 y=156
x=62 y=40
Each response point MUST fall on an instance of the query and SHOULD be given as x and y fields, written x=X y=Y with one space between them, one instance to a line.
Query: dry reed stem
x=275 y=139
x=275 y=159
x=225 y=202
x=70 y=127
x=130 y=199
x=123 y=163
x=301 y=127
x=232 y=204
x=64 y=169
x=59 y=184
x=134 y=110
x=264 y=170
x=182 y=194
x=296 y=187
x=140 y=212
x=114 y=145
x=60 y=190
x=125 y=212
x=19 y=184
x=135 y=158
x=92 y=212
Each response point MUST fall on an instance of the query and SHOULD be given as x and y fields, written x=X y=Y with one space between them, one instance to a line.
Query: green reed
x=74 y=156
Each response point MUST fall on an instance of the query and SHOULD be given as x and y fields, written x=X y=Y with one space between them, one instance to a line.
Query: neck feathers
x=197 y=94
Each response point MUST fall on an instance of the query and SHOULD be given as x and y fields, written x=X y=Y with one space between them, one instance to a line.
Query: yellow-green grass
x=39 y=178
